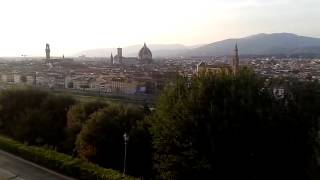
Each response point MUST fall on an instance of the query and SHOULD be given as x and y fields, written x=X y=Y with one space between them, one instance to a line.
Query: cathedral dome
x=145 y=55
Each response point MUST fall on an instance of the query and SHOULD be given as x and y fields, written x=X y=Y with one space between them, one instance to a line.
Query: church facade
x=144 y=57
x=233 y=67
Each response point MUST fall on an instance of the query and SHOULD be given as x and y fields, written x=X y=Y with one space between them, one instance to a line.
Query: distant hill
x=261 y=44
x=158 y=50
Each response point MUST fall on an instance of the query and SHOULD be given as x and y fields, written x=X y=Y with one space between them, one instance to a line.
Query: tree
x=228 y=126
x=15 y=102
x=34 y=116
x=55 y=107
x=77 y=116
x=139 y=158
x=101 y=139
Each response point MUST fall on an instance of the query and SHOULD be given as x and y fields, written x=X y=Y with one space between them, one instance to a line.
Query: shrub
x=60 y=162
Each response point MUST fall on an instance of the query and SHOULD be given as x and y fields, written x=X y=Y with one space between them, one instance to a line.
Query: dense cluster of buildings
x=141 y=74
x=271 y=67
x=121 y=75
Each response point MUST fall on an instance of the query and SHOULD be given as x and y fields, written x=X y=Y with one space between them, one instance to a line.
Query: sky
x=70 y=26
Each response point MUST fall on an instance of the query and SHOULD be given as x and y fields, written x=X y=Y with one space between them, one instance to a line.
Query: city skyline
x=72 y=26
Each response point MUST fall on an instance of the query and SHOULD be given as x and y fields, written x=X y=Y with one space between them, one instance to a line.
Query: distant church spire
x=235 y=60
x=47 y=51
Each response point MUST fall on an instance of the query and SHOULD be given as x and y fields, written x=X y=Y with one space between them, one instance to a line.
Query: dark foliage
x=101 y=139
x=221 y=126
x=34 y=116
x=61 y=162
x=77 y=116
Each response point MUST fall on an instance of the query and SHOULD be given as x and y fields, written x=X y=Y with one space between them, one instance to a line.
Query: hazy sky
x=73 y=25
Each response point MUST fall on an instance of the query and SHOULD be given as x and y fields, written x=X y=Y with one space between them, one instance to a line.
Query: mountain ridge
x=261 y=44
x=257 y=44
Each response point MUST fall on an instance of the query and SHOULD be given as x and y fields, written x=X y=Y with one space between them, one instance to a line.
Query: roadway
x=16 y=168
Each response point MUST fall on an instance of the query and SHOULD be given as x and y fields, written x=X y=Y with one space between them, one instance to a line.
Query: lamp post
x=126 y=139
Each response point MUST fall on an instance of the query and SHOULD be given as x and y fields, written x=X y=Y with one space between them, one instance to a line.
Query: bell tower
x=111 y=59
x=235 y=60
x=119 y=55
x=47 y=51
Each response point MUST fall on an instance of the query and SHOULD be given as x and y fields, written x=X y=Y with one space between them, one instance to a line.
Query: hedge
x=60 y=162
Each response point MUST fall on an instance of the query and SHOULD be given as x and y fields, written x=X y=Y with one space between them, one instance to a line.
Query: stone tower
x=47 y=51
x=111 y=59
x=235 y=60
x=119 y=55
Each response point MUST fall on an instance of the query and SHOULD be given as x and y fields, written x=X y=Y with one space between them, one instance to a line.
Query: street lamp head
x=126 y=137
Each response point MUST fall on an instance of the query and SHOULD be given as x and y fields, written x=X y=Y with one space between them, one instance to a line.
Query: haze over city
x=75 y=25
x=159 y=89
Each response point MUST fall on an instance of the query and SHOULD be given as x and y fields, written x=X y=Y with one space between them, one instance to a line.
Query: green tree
x=77 y=117
x=15 y=102
x=230 y=126
x=55 y=107
x=34 y=116
x=101 y=139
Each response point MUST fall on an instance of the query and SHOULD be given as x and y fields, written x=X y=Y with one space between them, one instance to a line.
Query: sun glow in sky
x=70 y=26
